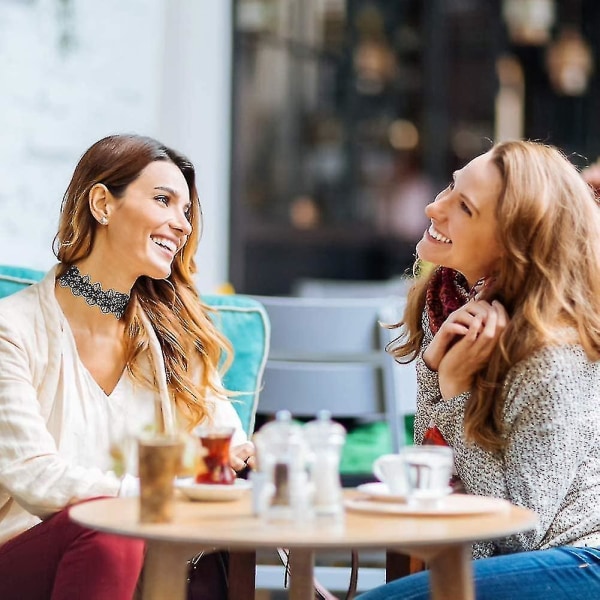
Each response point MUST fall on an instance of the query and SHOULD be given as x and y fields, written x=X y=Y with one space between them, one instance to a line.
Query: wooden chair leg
x=399 y=565
x=396 y=565
x=416 y=565
x=242 y=575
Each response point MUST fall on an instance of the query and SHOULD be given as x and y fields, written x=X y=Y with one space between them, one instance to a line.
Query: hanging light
x=570 y=63
x=375 y=65
x=529 y=21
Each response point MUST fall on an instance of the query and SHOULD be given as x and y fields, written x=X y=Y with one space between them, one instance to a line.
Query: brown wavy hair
x=548 y=277
x=189 y=341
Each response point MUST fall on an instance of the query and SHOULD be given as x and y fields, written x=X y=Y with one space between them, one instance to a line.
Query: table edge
x=527 y=522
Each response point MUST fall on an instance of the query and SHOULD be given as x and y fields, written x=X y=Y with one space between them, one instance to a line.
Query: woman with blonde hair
x=114 y=338
x=506 y=335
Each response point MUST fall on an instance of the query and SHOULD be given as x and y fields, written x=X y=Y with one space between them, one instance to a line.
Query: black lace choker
x=107 y=301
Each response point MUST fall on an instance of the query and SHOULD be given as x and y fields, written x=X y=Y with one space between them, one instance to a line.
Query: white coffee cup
x=417 y=472
x=428 y=470
x=390 y=469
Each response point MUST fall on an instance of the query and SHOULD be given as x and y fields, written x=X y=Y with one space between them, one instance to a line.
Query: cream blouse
x=56 y=423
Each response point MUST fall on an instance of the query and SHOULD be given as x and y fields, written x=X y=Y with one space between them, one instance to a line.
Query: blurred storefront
x=349 y=115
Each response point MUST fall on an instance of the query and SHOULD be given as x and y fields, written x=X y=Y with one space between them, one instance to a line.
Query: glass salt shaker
x=326 y=439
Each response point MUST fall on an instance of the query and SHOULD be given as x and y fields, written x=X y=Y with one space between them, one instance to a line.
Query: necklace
x=108 y=301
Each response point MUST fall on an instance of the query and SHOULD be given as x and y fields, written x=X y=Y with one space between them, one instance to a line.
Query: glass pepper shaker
x=326 y=439
x=282 y=456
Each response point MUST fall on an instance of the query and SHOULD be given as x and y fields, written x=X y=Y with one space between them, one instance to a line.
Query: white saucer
x=378 y=490
x=212 y=492
x=452 y=505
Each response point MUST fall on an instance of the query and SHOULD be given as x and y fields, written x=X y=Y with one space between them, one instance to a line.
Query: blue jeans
x=564 y=573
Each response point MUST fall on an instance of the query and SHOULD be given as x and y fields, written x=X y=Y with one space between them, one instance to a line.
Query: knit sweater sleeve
x=548 y=398
x=428 y=387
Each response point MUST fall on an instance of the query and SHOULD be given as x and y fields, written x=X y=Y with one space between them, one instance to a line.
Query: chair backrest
x=329 y=354
x=241 y=319
x=245 y=323
x=401 y=379
x=343 y=288
x=13 y=279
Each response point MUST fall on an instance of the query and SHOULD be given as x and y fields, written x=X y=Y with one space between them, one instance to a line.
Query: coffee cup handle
x=377 y=470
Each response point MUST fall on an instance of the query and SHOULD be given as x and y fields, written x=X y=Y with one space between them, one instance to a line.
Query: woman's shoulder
x=555 y=372
x=21 y=304
x=557 y=357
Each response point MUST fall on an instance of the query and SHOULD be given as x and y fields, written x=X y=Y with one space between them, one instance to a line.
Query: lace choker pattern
x=108 y=301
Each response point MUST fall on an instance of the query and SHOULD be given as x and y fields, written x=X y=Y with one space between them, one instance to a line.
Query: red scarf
x=447 y=291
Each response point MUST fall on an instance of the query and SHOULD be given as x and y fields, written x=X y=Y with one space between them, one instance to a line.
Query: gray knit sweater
x=551 y=462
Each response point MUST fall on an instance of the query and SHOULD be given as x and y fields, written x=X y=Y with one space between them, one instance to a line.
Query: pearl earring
x=104 y=221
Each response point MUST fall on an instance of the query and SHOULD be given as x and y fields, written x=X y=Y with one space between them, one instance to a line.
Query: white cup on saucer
x=390 y=469
x=428 y=471
x=420 y=473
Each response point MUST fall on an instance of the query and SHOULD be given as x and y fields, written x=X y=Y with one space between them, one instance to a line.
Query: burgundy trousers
x=61 y=560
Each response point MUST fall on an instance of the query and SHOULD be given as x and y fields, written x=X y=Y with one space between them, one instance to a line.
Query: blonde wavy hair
x=189 y=341
x=548 y=277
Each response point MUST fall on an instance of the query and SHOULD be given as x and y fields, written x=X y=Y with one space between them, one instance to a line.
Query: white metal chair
x=352 y=288
x=329 y=354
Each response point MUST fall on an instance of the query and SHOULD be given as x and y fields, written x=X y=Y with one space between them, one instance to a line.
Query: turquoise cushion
x=13 y=279
x=244 y=322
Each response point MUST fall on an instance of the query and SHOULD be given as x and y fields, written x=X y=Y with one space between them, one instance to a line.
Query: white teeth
x=165 y=243
x=436 y=235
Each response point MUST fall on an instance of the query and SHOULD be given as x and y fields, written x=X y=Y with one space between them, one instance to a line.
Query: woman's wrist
x=430 y=361
x=450 y=387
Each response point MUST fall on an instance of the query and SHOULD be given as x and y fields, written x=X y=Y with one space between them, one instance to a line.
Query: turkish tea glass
x=214 y=463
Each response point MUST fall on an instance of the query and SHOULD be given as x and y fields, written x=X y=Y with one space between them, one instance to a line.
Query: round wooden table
x=443 y=541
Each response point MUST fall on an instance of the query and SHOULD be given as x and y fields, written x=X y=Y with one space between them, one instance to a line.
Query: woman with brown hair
x=506 y=334
x=114 y=338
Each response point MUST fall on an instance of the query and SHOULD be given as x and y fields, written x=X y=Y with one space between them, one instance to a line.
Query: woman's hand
x=470 y=316
x=471 y=352
x=242 y=456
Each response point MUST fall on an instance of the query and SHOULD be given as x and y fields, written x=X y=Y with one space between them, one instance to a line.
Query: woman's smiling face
x=463 y=234
x=149 y=224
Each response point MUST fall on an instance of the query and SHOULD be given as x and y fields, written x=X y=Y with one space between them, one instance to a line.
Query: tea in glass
x=159 y=462
x=214 y=464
